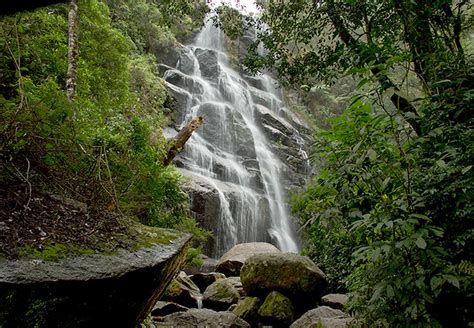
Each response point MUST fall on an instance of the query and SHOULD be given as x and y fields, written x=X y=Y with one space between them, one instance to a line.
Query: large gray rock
x=89 y=290
x=231 y=262
x=336 y=301
x=220 y=295
x=276 y=310
x=323 y=317
x=202 y=318
x=291 y=274
x=182 y=290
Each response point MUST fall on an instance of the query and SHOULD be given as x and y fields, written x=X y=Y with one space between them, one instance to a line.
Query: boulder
x=203 y=280
x=235 y=281
x=183 y=291
x=164 y=308
x=276 y=310
x=291 y=274
x=231 y=262
x=323 y=317
x=336 y=301
x=220 y=295
x=247 y=309
x=202 y=318
x=94 y=290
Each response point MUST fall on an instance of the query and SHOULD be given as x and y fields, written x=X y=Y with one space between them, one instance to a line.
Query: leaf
x=452 y=280
x=385 y=183
x=356 y=147
x=371 y=154
x=390 y=292
x=362 y=83
x=420 y=242
x=467 y=168
x=441 y=163
x=435 y=282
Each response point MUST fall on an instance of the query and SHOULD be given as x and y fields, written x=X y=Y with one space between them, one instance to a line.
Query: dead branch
x=177 y=143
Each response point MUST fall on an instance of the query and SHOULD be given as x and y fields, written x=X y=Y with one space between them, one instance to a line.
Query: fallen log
x=176 y=144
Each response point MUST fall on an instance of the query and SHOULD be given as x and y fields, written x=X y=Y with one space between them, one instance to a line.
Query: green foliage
x=389 y=218
x=390 y=210
x=106 y=147
x=231 y=21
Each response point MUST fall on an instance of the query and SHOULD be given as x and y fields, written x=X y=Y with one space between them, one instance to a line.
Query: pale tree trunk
x=72 y=52
x=176 y=144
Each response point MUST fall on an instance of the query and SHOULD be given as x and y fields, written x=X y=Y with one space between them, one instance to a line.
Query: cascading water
x=230 y=153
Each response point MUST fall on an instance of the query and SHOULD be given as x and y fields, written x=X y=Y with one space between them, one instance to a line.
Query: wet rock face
x=88 y=291
x=208 y=63
x=248 y=155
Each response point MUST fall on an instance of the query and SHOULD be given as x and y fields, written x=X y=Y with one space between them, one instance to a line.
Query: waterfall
x=230 y=154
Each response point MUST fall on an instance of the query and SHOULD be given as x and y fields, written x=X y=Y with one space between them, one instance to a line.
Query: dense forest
x=388 y=212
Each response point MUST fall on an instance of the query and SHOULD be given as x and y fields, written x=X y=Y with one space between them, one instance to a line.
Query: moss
x=138 y=236
x=173 y=290
x=276 y=308
x=247 y=309
x=53 y=252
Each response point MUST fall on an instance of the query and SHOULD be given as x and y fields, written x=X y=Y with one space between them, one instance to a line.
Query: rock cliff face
x=249 y=153
x=88 y=291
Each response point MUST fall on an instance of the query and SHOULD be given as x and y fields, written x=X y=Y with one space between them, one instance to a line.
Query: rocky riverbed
x=252 y=285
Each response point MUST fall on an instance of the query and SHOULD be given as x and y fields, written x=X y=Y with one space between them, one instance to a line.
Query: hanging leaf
x=420 y=242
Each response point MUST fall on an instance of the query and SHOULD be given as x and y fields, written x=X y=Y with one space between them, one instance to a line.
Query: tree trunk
x=72 y=52
x=176 y=144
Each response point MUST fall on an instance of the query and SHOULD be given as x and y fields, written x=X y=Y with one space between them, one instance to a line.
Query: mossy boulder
x=182 y=290
x=220 y=295
x=247 y=309
x=291 y=274
x=89 y=290
x=276 y=310
x=231 y=262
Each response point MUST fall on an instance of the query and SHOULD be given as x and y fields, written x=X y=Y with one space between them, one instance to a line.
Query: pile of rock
x=255 y=285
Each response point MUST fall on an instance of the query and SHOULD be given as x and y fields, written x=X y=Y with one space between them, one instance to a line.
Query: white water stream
x=230 y=153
